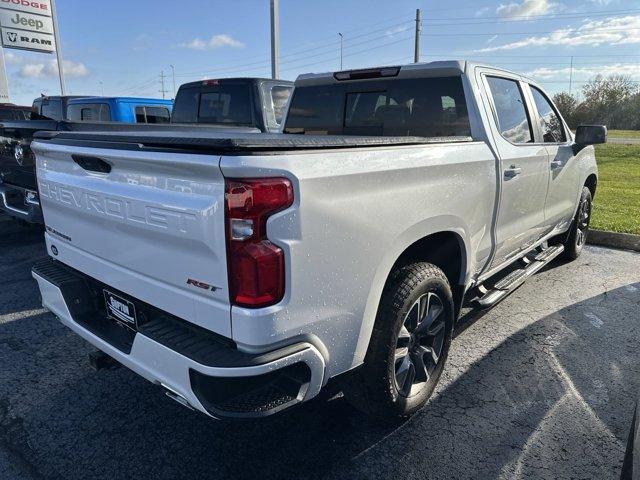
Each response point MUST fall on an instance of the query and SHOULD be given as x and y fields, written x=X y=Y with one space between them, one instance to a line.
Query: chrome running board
x=513 y=280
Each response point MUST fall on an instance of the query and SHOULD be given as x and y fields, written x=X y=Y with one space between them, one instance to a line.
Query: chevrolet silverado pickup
x=243 y=272
x=252 y=105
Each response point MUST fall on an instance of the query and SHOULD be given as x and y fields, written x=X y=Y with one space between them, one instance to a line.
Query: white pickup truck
x=243 y=272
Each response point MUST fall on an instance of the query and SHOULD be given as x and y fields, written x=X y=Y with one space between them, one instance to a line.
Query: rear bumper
x=13 y=201
x=196 y=367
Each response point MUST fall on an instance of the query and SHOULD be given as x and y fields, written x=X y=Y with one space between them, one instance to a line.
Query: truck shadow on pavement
x=551 y=400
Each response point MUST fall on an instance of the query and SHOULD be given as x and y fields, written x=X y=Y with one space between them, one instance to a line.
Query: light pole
x=101 y=87
x=56 y=36
x=173 y=74
x=275 y=39
x=341 y=38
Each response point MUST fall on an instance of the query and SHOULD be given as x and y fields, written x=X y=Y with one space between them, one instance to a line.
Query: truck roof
x=411 y=70
x=159 y=101
x=199 y=83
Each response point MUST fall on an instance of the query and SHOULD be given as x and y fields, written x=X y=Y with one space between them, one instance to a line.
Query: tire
x=412 y=331
x=579 y=228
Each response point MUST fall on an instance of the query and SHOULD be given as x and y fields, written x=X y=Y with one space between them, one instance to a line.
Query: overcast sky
x=122 y=46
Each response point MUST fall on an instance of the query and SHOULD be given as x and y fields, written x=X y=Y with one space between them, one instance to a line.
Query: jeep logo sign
x=39 y=7
x=25 y=21
x=23 y=40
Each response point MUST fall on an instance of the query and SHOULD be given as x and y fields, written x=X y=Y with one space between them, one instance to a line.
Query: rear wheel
x=409 y=344
x=579 y=228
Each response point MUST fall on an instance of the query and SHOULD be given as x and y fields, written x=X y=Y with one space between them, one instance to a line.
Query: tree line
x=613 y=101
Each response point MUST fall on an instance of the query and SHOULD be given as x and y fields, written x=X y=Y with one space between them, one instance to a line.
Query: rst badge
x=202 y=285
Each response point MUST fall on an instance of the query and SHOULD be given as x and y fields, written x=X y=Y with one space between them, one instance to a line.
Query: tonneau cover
x=209 y=139
x=29 y=127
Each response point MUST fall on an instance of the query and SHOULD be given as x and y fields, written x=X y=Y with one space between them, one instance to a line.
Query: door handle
x=512 y=171
x=555 y=164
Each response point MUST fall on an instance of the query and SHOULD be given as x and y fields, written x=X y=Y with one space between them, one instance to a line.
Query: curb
x=624 y=241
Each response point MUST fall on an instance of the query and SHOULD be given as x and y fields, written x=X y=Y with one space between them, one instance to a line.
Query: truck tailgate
x=149 y=224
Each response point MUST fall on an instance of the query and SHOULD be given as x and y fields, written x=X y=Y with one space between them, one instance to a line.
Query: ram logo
x=12 y=37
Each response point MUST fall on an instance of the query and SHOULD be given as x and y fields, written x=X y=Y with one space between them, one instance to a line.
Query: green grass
x=617 y=203
x=624 y=133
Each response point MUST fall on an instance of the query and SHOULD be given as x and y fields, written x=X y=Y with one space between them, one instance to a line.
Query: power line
x=568 y=30
x=302 y=53
x=545 y=16
x=329 y=48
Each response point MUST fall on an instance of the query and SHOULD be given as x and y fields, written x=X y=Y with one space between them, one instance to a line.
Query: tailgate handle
x=93 y=164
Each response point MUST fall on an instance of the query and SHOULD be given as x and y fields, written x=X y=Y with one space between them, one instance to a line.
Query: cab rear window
x=426 y=107
x=225 y=104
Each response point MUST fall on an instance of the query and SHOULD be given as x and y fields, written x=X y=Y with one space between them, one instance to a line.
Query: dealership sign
x=27 y=40
x=39 y=7
x=26 y=21
x=27 y=25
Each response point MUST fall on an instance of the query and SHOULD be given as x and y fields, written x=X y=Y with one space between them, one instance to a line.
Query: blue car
x=119 y=109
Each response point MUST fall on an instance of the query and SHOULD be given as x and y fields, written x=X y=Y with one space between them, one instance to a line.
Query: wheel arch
x=442 y=241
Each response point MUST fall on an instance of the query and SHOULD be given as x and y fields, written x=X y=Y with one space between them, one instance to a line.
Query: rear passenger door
x=524 y=169
x=564 y=177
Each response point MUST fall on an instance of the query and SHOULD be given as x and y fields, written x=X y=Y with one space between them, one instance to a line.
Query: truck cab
x=258 y=103
x=51 y=107
x=120 y=109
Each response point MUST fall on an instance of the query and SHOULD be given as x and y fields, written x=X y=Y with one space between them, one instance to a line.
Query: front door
x=524 y=174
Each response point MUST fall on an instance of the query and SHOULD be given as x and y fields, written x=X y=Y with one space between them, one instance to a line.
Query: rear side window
x=150 y=114
x=279 y=98
x=89 y=112
x=513 y=121
x=550 y=124
x=224 y=104
x=425 y=107
x=52 y=109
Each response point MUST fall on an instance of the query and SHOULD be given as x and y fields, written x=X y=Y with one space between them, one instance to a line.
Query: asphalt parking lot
x=542 y=386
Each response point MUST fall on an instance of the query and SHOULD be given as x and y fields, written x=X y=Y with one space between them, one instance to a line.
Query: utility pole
x=173 y=74
x=101 y=88
x=571 y=75
x=56 y=36
x=341 y=38
x=416 y=52
x=162 y=90
x=275 y=39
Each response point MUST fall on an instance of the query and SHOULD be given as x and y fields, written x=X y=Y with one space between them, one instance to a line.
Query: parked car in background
x=258 y=103
x=51 y=107
x=119 y=109
x=242 y=272
x=9 y=111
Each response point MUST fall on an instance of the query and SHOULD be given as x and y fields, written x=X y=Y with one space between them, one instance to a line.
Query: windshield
x=426 y=107
x=223 y=104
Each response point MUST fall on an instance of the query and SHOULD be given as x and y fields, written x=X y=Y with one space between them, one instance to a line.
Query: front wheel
x=409 y=344
x=579 y=228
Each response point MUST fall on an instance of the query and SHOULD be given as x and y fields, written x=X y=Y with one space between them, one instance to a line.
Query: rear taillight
x=256 y=266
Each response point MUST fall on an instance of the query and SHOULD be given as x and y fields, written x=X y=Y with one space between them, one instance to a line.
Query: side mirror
x=589 y=135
